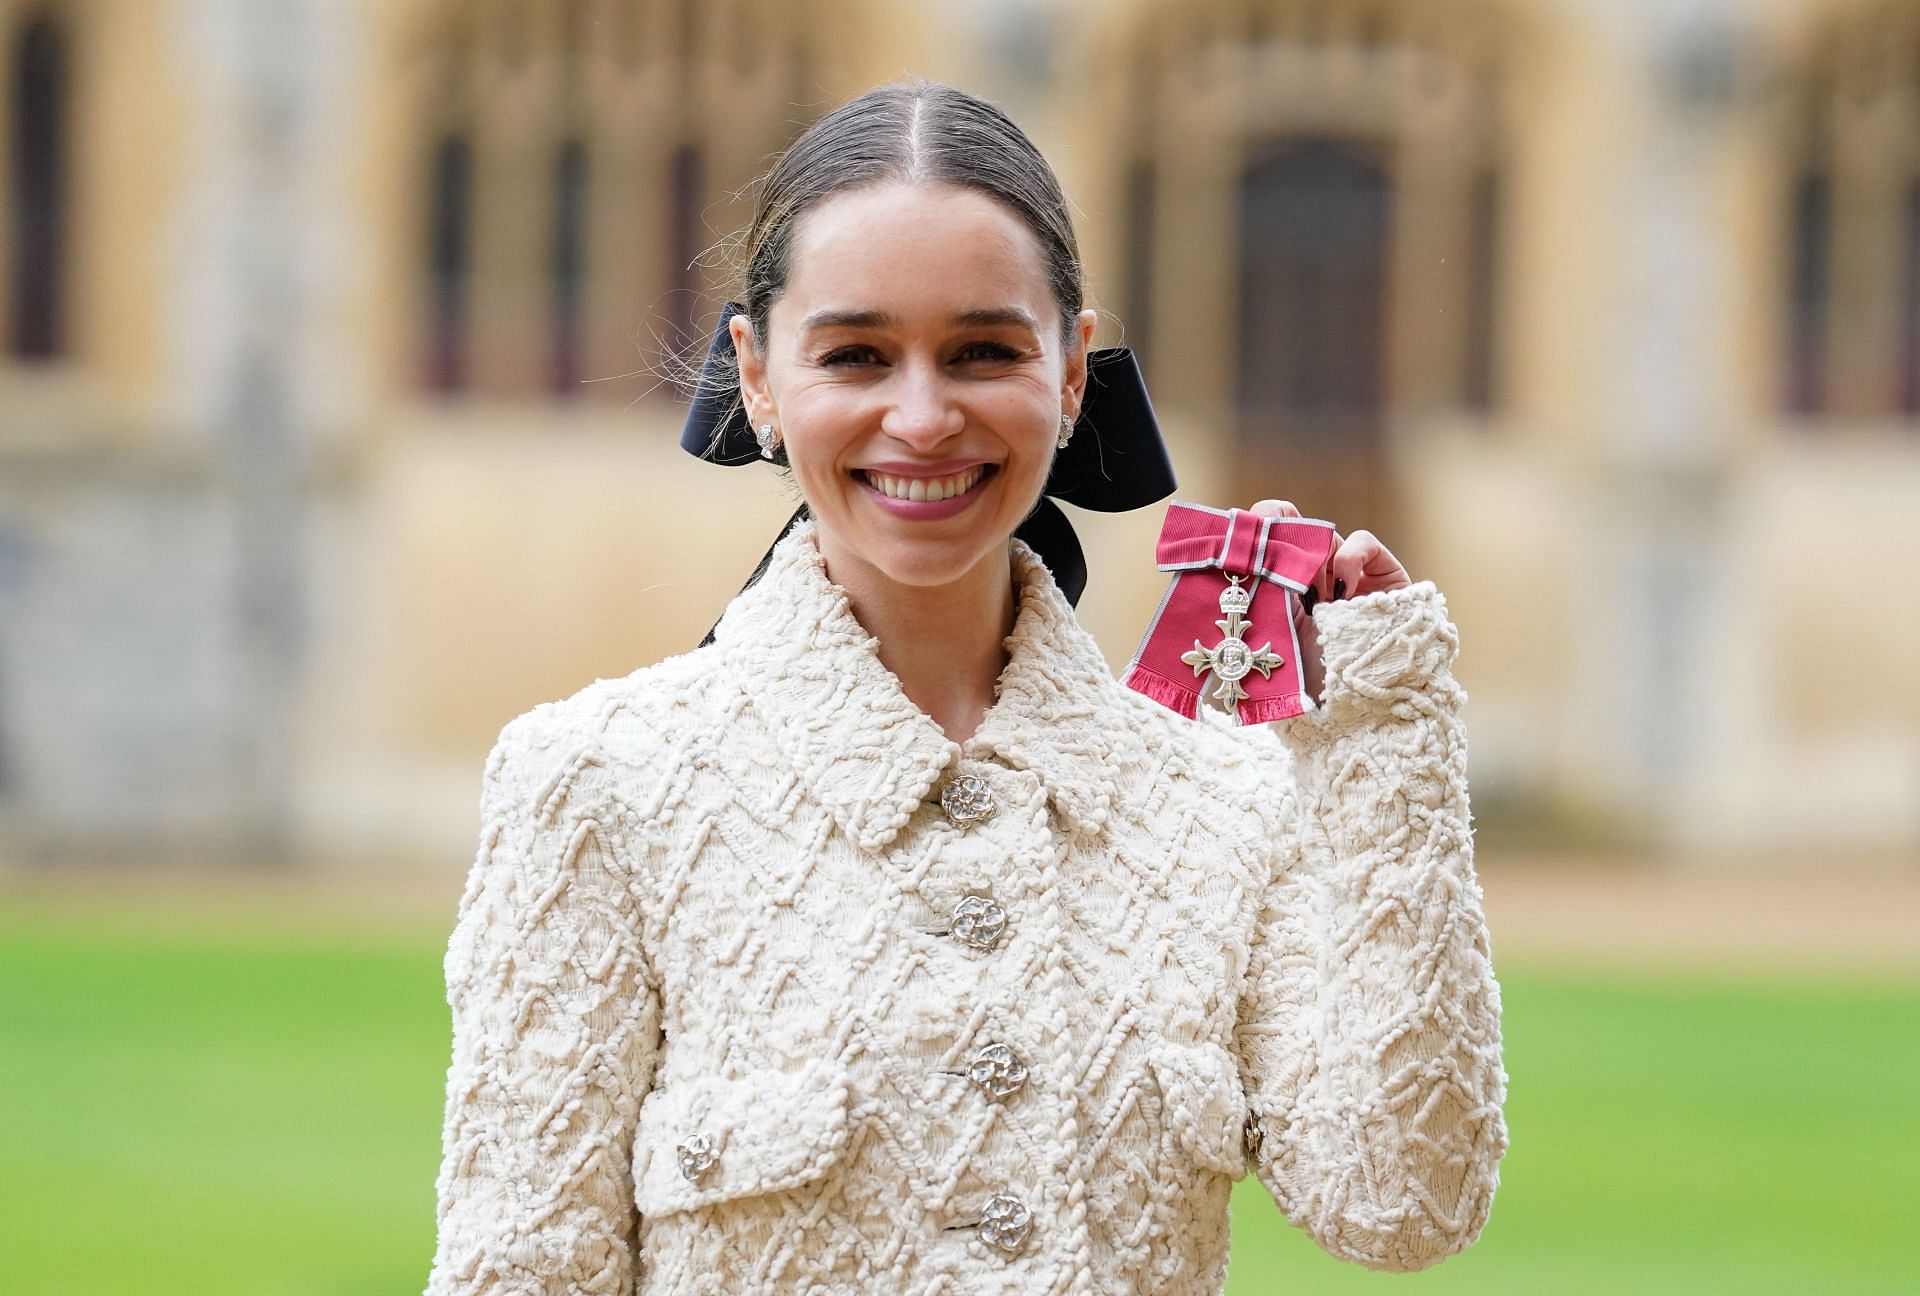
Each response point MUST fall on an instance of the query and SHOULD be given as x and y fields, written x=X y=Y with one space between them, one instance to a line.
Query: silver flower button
x=978 y=921
x=1005 y=1223
x=997 y=1070
x=696 y=1155
x=967 y=799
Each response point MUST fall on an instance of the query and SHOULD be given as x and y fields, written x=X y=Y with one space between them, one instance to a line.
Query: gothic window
x=1808 y=276
x=1848 y=127
x=1313 y=237
x=1141 y=179
x=1478 y=383
x=1910 y=304
x=579 y=158
x=37 y=168
x=686 y=188
x=450 y=263
x=569 y=264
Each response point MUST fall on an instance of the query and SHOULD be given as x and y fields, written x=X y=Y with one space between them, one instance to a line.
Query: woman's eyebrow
x=994 y=315
x=980 y=317
x=847 y=319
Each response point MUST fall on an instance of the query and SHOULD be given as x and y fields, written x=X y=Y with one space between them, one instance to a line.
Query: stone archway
x=1311 y=197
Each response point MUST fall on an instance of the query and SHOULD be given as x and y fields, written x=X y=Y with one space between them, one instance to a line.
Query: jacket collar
x=846 y=726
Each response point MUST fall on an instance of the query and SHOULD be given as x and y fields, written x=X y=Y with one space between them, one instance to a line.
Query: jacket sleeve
x=555 y=1030
x=1369 y=1024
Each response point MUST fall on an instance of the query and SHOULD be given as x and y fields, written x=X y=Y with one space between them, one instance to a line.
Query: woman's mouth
x=924 y=488
x=924 y=497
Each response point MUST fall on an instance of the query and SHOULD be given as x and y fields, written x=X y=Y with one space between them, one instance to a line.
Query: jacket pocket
x=709 y=1140
x=1203 y=1100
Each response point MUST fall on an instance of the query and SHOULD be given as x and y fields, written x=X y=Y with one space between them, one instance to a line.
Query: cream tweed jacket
x=739 y=1006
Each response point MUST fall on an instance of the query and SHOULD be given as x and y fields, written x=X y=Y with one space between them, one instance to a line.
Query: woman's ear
x=1075 y=387
x=753 y=370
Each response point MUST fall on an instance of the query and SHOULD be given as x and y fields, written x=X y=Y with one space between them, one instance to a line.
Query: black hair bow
x=1116 y=461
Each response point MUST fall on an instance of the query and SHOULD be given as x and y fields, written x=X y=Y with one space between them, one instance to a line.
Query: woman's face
x=915 y=372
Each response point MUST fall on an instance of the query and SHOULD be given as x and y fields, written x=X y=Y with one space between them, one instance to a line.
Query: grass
x=256 y=1111
x=1677 y=1137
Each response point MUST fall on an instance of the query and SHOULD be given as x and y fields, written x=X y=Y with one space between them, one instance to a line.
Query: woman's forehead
x=904 y=250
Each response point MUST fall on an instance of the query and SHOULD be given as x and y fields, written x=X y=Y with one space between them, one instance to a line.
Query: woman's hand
x=1360 y=565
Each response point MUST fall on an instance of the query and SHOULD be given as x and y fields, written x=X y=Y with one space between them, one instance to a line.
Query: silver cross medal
x=1231 y=659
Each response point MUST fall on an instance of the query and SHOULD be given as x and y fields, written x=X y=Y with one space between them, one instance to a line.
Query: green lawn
x=257 y=1113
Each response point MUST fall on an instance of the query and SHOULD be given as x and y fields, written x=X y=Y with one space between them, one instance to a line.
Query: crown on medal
x=1236 y=598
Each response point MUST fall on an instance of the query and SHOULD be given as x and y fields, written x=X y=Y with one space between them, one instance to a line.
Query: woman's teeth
x=925 y=488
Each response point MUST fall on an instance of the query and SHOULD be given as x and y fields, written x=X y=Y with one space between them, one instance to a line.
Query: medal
x=1232 y=559
x=1231 y=658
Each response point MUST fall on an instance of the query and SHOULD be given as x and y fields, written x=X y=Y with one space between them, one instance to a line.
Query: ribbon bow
x=1230 y=560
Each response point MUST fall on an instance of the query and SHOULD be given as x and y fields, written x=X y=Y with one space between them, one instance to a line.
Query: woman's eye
x=856 y=355
x=988 y=351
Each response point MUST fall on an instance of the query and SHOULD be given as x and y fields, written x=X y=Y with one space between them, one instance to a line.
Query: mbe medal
x=1230 y=559
x=1231 y=658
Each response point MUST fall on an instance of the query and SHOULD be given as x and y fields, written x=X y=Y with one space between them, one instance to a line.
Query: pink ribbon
x=1192 y=645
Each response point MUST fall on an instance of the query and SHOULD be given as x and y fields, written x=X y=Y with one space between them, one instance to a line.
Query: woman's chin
x=924 y=560
x=924 y=565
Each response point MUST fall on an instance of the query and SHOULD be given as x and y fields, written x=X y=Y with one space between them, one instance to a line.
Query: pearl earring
x=1066 y=431
x=764 y=435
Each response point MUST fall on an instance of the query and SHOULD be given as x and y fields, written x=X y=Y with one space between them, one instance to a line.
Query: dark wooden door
x=1310 y=393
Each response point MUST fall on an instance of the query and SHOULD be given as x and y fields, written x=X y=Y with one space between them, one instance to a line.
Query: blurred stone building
x=337 y=337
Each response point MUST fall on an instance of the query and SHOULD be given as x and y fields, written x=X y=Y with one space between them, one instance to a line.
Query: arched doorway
x=1310 y=386
x=1310 y=195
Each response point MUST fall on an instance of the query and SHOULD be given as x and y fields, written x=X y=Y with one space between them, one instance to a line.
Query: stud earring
x=764 y=435
x=1066 y=431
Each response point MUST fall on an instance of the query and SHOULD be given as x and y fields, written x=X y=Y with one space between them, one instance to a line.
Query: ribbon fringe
x=1284 y=706
x=1184 y=700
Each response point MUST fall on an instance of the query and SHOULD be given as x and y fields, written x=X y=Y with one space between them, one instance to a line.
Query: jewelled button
x=696 y=1155
x=967 y=799
x=1005 y=1222
x=997 y=1070
x=978 y=921
x=1253 y=1138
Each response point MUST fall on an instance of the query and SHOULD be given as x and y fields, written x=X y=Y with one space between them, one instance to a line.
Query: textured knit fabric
x=716 y=898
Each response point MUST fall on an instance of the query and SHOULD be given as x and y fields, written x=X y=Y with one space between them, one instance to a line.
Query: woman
x=886 y=944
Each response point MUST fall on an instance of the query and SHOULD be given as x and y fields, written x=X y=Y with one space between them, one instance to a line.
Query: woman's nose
x=922 y=411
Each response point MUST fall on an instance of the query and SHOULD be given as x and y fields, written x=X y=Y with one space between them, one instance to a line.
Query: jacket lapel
x=842 y=721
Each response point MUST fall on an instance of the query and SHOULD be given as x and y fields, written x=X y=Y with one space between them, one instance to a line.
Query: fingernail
x=1339 y=588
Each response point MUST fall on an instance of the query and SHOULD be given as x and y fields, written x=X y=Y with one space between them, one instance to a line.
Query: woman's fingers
x=1325 y=583
x=1366 y=566
x=1349 y=561
x=1360 y=564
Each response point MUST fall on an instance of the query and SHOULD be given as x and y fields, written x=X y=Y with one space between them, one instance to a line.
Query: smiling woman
x=914 y=343
x=886 y=942
x=908 y=372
